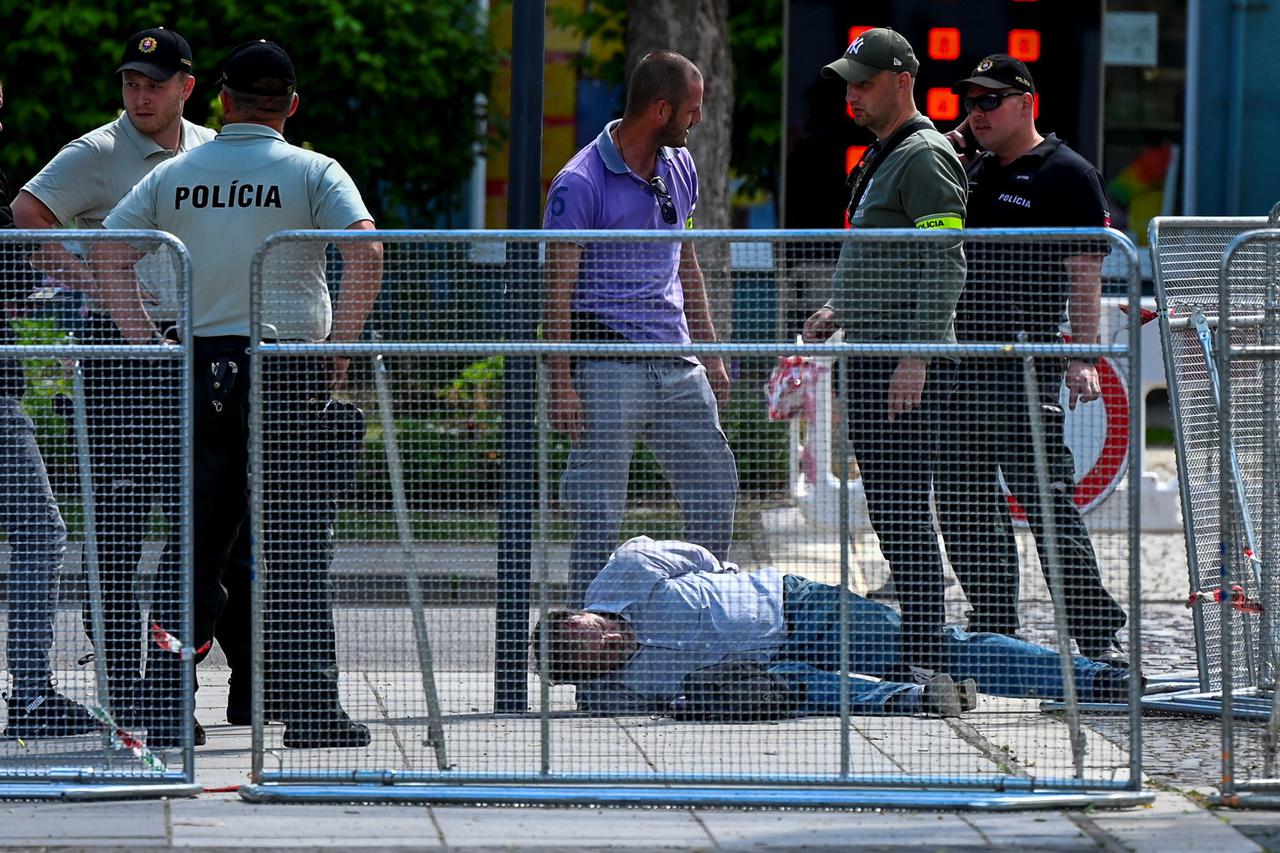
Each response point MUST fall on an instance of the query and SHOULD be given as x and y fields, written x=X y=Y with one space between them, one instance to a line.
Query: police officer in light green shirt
x=223 y=201
x=132 y=412
x=900 y=291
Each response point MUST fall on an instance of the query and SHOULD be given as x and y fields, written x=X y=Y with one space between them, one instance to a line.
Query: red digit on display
x=1024 y=45
x=942 y=103
x=944 y=43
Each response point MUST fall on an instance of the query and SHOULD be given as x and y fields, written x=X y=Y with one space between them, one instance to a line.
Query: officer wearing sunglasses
x=1022 y=179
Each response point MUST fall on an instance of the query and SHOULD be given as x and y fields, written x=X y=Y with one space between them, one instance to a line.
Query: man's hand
x=566 y=410
x=961 y=143
x=820 y=326
x=1082 y=382
x=907 y=386
x=718 y=377
x=338 y=373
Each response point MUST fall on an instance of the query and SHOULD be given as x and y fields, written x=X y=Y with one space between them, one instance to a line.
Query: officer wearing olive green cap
x=898 y=292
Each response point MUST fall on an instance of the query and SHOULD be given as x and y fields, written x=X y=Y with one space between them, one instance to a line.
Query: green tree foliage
x=388 y=88
x=755 y=40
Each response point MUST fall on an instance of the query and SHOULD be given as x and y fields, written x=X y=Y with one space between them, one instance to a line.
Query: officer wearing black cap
x=1023 y=179
x=129 y=408
x=898 y=293
x=223 y=200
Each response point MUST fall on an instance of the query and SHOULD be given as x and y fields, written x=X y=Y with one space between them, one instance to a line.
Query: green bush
x=453 y=455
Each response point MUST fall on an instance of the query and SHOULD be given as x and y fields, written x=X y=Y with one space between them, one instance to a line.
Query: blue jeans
x=669 y=404
x=1002 y=665
x=37 y=543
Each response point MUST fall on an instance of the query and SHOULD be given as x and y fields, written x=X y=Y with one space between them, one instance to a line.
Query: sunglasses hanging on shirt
x=667 y=205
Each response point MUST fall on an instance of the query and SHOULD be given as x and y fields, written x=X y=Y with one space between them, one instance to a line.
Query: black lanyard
x=860 y=177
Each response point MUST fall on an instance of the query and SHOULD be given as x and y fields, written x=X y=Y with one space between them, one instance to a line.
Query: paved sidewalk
x=219 y=819
x=223 y=821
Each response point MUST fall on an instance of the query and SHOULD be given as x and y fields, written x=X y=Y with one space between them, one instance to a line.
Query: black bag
x=740 y=691
x=341 y=439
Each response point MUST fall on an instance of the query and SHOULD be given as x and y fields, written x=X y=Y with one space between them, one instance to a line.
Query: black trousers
x=897 y=460
x=299 y=512
x=990 y=430
x=132 y=418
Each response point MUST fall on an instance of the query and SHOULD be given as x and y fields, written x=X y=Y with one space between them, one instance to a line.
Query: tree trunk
x=699 y=30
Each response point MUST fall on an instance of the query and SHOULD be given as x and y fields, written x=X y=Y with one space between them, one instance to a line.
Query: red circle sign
x=1098 y=435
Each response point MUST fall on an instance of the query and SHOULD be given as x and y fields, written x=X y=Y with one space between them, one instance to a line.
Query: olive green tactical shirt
x=903 y=291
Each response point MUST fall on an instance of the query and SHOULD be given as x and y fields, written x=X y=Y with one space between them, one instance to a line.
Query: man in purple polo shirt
x=636 y=175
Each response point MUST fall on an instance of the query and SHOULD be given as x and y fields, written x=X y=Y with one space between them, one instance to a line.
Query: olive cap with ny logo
x=873 y=51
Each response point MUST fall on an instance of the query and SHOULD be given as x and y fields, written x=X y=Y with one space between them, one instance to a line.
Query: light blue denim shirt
x=688 y=610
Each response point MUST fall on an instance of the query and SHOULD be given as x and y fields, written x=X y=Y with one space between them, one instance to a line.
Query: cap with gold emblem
x=157 y=53
x=998 y=71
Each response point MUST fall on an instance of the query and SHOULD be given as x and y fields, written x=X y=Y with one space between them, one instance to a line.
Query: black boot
x=162 y=692
x=330 y=730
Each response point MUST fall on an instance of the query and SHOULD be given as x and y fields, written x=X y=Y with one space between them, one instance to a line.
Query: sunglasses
x=988 y=102
x=665 y=202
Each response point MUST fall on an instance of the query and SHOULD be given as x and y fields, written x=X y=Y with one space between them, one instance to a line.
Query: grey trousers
x=667 y=403
x=37 y=543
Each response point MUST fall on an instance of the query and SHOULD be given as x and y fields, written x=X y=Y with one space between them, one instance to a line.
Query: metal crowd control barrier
x=1186 y=256
x=426 y=527
x=95 y=436
x=1245 y=349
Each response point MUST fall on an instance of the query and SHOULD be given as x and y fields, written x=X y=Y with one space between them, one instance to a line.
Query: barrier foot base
x=705 y=797
x=85 y=793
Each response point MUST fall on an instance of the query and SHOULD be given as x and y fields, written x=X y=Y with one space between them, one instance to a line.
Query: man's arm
x=1084 y=309
x=118 y=291
x=52 y=258
x=935 y=193
x=361 y=282
x=563 y=260
x=697 y=311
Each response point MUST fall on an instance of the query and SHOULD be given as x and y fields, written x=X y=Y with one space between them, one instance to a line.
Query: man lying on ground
x=659 y=610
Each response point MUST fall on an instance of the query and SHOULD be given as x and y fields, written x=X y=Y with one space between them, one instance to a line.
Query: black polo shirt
x=1015 y=287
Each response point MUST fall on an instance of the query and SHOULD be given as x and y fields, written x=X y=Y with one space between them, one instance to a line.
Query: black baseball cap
x=259 y=68
x=998 y=71
x=873 y=51
x=157 y=53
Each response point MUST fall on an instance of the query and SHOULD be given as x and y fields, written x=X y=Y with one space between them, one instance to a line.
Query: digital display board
x=1061 y=43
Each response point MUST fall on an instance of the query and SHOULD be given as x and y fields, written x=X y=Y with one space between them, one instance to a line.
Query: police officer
x=126 y=409
x=222 y=201
x=1023 y=179
x=909 y=178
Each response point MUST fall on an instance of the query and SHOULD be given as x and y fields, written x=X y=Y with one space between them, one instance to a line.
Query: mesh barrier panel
x=1187 y=255
x=93 y=441
x=1251 y=457
x=475 y=474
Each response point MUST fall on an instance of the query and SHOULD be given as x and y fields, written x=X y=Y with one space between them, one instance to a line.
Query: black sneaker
x=46 y=713
x=1111 y=686
x=1108 y=651
x=330 y=731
